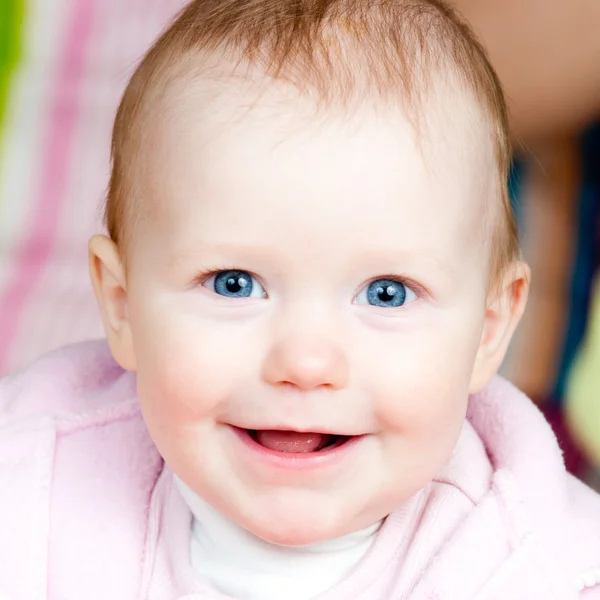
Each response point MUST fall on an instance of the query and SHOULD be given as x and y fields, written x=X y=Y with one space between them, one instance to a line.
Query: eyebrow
x=398 y=262
x=199 y=249
x=439 y=265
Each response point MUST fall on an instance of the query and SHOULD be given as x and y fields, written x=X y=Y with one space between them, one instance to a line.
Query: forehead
x=227 y=151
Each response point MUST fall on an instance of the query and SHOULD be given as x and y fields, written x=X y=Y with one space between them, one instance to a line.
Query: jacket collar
x=26 y=458
x=520 y=441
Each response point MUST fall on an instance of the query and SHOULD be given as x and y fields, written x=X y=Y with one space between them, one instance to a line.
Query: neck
x=239 y=564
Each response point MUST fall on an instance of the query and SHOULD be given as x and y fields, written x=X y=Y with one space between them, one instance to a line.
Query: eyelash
x=421 y=291
x=204 y=276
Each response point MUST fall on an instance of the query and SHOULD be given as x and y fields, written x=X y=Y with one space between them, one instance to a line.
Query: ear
x=109 y=282
x=503 y=313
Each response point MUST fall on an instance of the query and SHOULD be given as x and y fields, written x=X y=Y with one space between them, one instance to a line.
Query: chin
x=298 y=534
x=297 y=528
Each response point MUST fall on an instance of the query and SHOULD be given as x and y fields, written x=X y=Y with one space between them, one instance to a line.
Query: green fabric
x=582 y=402
x=11 y=24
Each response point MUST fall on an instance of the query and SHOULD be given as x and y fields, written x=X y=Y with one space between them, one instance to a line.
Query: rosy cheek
x=191 y=370
x=414 y=392
x=186 y=385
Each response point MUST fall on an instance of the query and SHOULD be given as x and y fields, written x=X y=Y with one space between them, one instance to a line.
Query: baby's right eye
x=235 y=284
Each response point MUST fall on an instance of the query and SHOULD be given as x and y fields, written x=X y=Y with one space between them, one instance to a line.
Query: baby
x=311 y=278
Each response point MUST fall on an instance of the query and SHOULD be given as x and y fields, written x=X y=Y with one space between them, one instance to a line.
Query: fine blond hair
x=336 y=50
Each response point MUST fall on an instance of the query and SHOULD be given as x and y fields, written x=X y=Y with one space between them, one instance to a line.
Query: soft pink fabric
x=88 y=510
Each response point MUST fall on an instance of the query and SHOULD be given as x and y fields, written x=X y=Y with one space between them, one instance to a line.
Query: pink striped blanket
x=63 y=66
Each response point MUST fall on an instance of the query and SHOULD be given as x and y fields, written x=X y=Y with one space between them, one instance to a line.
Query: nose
x=307 y=362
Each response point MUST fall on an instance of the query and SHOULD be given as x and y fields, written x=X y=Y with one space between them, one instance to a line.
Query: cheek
x=188 y=367
x=419 y=381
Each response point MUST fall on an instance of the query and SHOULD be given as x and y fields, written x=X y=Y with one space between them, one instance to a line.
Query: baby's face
x=316 y=277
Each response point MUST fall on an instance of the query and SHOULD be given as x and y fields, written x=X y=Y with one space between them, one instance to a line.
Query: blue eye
x=387 y=293
x=235 y=284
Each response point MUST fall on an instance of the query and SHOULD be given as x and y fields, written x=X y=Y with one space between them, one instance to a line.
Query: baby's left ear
x=503 y=313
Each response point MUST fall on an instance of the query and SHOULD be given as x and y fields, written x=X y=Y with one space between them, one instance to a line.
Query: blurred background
x=65 y=63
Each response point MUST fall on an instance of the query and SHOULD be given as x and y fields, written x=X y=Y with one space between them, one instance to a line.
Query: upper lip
x=322 y=430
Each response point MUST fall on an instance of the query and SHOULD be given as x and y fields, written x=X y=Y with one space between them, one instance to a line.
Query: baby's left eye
x=387 y=293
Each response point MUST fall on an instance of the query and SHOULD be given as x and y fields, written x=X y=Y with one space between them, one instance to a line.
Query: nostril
x=287 y=384
x=306 y=365
x=294 y=386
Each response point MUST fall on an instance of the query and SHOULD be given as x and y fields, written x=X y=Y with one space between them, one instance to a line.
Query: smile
x=294 y=442
x=293 y=449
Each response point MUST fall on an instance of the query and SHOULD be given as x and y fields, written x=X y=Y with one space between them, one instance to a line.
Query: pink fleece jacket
x=89 y=511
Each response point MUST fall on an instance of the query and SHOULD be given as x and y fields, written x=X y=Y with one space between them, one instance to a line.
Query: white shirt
x=239 y=564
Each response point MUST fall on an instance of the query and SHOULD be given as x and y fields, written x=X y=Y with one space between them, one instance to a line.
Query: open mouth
x=295 y=442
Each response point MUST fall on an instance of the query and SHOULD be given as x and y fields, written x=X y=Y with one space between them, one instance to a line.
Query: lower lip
x=296 y=460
